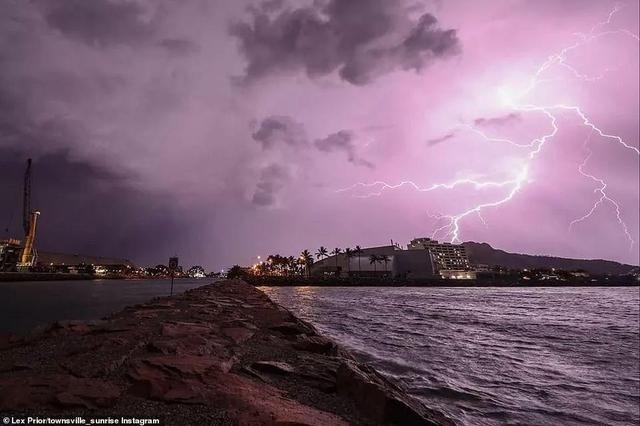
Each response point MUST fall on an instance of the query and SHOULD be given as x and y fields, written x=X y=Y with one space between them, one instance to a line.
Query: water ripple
x=492 y=356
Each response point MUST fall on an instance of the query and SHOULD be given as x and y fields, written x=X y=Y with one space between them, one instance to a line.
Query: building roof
x=380 y=250
x=76 y=259
x=366 y=252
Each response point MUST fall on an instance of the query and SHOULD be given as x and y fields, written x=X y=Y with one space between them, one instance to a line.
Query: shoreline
x=12 y=277
x=223 y=353
x=269 y=281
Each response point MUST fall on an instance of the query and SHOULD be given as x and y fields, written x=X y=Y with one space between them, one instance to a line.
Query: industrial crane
x=29 y=222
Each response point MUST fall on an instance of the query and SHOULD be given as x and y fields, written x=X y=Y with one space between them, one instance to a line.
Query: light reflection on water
x=490 y=356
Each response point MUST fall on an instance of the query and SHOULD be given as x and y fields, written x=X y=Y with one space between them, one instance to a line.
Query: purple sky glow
x=220 y=131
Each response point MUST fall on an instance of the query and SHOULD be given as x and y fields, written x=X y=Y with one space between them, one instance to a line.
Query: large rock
x=383 y=401
x=239 y=335
x=315 y=344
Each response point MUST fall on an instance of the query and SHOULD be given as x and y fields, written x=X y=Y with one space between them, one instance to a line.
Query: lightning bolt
x=452 y=226
x=604 y=197
x=382 y=186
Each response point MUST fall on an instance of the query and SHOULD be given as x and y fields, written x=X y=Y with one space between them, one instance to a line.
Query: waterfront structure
x=196 y=271
x=449 y=260
x=446 y=256
x=27 y=252
x=382 y=261
x=10 y=252
x=367 y=262
x=424 y=258
x=81 y=264
x=29 y=256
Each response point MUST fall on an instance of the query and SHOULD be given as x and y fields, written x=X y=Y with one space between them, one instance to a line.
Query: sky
x=221 y=131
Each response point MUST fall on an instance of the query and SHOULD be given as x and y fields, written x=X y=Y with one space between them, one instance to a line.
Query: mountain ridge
x=483 y=253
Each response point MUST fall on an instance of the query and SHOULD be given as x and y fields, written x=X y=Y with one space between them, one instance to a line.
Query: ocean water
x=25 y=305
x=493 y=356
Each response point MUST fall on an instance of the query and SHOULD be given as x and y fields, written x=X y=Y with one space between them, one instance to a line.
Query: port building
x=10 y=252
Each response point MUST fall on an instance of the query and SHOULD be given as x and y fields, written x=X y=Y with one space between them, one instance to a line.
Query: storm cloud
x=179 y=46
x=90 y=210
x=361 y=39
x=283 y=131
x=276 y=130
x=342 y=141
x=144 y=147
x=100 y=22
x=273 y=178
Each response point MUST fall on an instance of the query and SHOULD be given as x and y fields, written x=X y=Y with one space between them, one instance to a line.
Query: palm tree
x=358 y=252
x=384 y=258
x=349 y=253
x=307 y=260
x=373 y=260
x=291 y=264
x=322 y=252
x=335 y=252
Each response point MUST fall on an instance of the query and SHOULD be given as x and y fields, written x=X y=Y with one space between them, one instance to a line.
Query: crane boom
x=29 y=222
x=28 y=254
x=26 y=200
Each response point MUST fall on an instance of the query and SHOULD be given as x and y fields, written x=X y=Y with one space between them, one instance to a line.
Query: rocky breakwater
x=219 y=354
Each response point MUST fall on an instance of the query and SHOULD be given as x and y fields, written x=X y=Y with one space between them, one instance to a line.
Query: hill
x=483 y=253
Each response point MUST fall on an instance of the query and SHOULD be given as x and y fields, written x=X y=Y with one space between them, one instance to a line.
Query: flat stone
x=185 y=328
x=315 y=344
x=239 y=335
x=190 y=345
x=273 y=367
x=188 y=364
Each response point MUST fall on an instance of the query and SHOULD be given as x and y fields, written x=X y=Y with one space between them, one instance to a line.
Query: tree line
x=277 y=265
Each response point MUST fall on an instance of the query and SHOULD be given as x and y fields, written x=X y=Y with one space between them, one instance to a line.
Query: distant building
x=383 y=261
x=579 y=274
x=414 y=264
x=423 y=258
x=81 y=264
x=10 y=251
x=446 y=256
x=450 y=261
x=196 y=272
x=482 y=267
x=358 y=263
x=46 y=258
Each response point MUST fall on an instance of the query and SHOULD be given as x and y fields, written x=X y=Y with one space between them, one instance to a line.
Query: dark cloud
x=271 y=5
x=498 y=121
x=99 y=22
x=342 y=141
x=441 y=139
x=273 y=178
x=179 y=46
x=276 y=130
x=20 y=125
x=285 y=131
x=359 y=38
x=90 y=210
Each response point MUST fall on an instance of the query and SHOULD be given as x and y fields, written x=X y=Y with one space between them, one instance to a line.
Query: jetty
x=220 y=354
